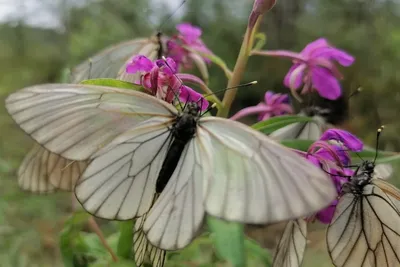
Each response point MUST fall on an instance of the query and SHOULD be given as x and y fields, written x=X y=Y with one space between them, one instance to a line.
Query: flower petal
x=332 y=53
x=189 y=32
x=187 y=94
x=261 y=109
x=139 y=63
x=325 y=83
x=325 y=216
x=314 y=46
x=347 y=139
x=294 y=78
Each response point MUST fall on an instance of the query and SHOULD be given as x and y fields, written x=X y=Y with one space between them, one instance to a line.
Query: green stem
x=239 y=69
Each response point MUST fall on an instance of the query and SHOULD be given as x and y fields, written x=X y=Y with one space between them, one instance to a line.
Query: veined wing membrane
x=255 y=179
x=42 y=171
x=74 y=121
x=365 y=230
x=177 y=215
x=120 y=181
x=291 y=246
x=108 y=62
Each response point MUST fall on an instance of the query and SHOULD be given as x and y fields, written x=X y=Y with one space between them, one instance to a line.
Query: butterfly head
x=192 y=108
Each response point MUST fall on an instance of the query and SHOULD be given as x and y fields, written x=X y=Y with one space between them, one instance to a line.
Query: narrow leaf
x=124 y=249
x=113 y=83
x=275 y=123
x=228 y=239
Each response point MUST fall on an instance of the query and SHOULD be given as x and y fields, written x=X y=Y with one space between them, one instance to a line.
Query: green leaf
x=228 y=239
x=69 y=236
x=113 y=83
x=125 y=240
x=298 y=144
x=275 y=123
x=260 y=252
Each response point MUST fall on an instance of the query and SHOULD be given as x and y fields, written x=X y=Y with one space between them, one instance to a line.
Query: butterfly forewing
x=365 y=230
x=256 y=180
x=291 y=246
x=74 y=121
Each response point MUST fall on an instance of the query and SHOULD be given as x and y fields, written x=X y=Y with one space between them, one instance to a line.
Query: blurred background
x=40 y=38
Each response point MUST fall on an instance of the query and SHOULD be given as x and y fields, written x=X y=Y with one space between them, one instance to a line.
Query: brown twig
x=96 y=229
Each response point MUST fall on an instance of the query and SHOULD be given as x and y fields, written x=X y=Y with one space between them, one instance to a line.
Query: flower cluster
x=160 y=78
x=331 y=153
x=180 y=45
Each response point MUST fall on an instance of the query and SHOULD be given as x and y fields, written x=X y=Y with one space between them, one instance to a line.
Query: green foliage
x=275 y=123
x=229 y=240
x=113 y=83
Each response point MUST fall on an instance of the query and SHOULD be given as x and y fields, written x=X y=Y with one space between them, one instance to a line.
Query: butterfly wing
x=141 y=246
x=42 y=171
x=177 y=215
x=107 y=63
x=257 y=180
x=365 y=230
x=383 y=171
x=311 y=130
x=74 y=121
x=291 y=246
x=119 y=183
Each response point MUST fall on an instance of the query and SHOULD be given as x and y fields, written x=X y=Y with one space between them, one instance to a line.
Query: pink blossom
x=314 y=68
x=160 y=78
x=273 y=105
x=187 y=38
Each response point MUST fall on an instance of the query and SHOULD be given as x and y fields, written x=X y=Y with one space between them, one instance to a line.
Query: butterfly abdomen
x=182 y=131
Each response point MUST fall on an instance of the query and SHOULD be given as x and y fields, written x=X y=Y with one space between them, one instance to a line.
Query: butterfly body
x=182 y=131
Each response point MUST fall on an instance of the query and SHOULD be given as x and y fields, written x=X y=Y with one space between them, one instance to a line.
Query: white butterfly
x=140 y=147
x=365 y=230
x=311 y=130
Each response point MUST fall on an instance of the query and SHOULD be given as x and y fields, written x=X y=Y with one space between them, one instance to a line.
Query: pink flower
x=274 y=105
x=315 y=68
x=160 y=78
x=333 y=158
x=188 y=37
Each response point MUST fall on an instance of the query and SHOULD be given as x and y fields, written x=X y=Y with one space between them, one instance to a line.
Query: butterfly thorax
x=316 y=111
x=360 y=179
x=182 y=131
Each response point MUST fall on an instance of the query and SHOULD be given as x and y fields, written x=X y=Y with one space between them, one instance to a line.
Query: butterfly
x=367 y=203
x=365 y=229
x=310 y=130
x=140 y=147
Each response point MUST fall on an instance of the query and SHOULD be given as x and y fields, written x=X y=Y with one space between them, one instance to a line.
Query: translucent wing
x=32 y=175
x=74 y=121
x=177 y=215
x=119 y=183
x=42 y=171
x=107 y=63
x=301 y=130
x=365 y=230
x=291 y=246
x=141 y=247
x=255 y=179
x=383 y=171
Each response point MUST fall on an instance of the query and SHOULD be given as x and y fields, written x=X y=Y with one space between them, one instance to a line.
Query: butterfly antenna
x=171 y=15
x=378 y=134
x=230 y=88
